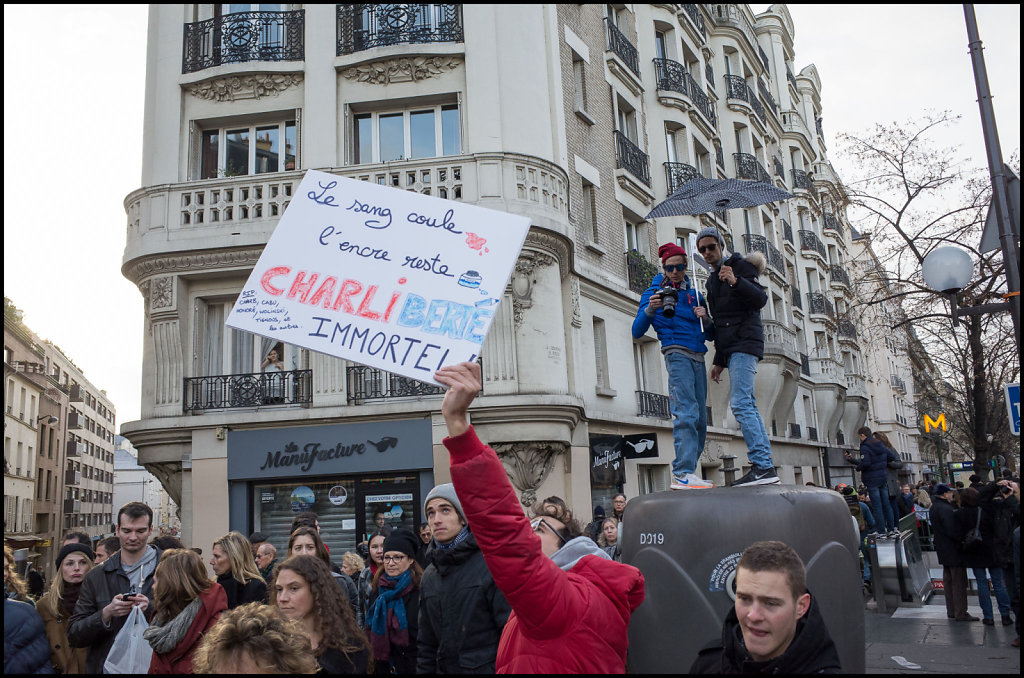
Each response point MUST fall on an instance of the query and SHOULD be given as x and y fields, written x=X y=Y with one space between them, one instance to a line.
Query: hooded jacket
x=179 y=660
x=737 y=310
x=570 y=613
x=810 y=651
x=26 y=649
x=462 y=612
x=683 y=329
x=874 y=457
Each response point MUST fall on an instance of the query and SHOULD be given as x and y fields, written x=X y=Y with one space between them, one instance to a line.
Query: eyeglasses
x=672 y=268
x=537 y=522
x=707 y=248
x=394 y=559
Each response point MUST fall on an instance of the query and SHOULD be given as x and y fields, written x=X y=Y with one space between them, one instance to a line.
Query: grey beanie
x=446 y=492
x=711 y=232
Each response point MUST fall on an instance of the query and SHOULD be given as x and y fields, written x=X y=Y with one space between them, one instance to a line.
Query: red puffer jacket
x=179 y=660
x=562 y=622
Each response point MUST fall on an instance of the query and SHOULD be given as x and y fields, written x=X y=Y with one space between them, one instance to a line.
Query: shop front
x=356 y=477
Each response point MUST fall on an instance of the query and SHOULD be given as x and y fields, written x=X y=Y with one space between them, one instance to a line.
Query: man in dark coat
x=947 y=549
x=735 y=298
x=874 y=459
x=774 y=626
x=462 y=612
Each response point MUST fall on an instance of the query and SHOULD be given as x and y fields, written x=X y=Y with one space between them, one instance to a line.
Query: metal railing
x=241 y=37
x=775 y=259
x=748 y=167
x=812 y=433
x=764 y=58
x=693 y=12
x=622 y=47
x=809 y=242
x=671 y=76
x=639 y=271
x=794 y=430
x=832 y=223
x=753 y=242
x=818 y=303
x=805 y=365
x=369 y=383
x=700 y=99
x=838 y=275
x=362 y=27
x=787 y=232
x=629 y=157
x=847 y=330
x=797 y=298
x=767 y=96
x=802 y=181
x=780 y=171
x=678 y=173
x=653 y=405
x=898 y=384
x=227 y=391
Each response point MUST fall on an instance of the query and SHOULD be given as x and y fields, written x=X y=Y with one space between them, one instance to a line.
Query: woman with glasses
x=392 y=618
x=561 y=585
x=304 y=592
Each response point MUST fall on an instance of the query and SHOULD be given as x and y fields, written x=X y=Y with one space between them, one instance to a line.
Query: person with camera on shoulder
x=671 y=306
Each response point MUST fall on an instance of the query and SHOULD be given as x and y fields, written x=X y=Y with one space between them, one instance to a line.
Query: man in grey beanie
x=462 y=612
x=735 y=298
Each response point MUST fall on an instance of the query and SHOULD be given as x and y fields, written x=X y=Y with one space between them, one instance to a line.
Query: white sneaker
x=691 y=481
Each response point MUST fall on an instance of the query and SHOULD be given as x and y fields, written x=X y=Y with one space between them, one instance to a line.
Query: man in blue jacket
x=682 y=343
x=874 y=459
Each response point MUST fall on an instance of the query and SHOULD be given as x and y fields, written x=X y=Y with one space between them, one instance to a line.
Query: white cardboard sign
x=392 y=279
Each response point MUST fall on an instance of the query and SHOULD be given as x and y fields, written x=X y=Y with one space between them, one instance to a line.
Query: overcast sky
x=74 y=80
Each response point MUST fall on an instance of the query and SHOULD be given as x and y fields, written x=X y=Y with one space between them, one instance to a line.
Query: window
x=580 y=80
x=660 y=45
x=601 y=358
x=226 y=350
x=589 y=211
x=242 y=150
x=403 y=135
x=626 y=120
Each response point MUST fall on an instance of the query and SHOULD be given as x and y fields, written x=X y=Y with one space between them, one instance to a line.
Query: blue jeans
x=688 y=394
x=984 y=599
x=742 y=369
x=881 y=509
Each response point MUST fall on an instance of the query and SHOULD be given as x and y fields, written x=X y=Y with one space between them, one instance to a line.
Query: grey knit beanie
x=711 y=232
x=446 y=492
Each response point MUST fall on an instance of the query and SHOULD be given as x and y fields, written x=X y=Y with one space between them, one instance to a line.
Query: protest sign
x=392 y=279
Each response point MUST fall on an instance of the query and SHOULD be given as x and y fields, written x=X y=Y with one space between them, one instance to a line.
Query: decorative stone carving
x=528 y=464
x=162 y=295
x=143 y=268
x=402 y=69
x=523 y=280
x=574 y=293
x=234 y=88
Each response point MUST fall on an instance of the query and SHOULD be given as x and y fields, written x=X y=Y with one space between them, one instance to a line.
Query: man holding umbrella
x=736 y=298
x=671 y=304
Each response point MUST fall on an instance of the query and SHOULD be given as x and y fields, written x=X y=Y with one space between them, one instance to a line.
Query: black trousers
x=954 y=581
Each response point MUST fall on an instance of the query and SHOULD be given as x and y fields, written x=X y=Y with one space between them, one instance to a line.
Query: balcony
x=780 y=171
x=856 y=386
x=75 y=420
x=793 y=124
x=767 y=96
x=779 y=340
x=847 y=330
x=76 y=394
x=362 y=27
x=812 y=433
x=775 y=260
x=818 y=304
x=72 y=506
x=630 y=158
x=898 y=384
x=838 y=276
x=805 y=365
x=676 y=87
x=640 y=271
x=677 y=174
x=748 y=167
x=794 y=430
x=621 y=46
x=797 y=298
x=802 y=181
x=832 y=225
x=242 y=37
x=737 y=89
x=787 y=233
x=811 y=244
x=753 y=242
x=72 y=477
x=74 y=449
x=259 y=389
x=368 y=383
x=653 y=405
x=693 y=12
x=826 y=367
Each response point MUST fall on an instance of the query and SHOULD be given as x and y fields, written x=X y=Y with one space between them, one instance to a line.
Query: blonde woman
x=236 y=571
x=15 y=587
x=55 y=607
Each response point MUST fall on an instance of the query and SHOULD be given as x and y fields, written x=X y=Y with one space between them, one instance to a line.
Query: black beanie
x=402 y=541
x=71 y=548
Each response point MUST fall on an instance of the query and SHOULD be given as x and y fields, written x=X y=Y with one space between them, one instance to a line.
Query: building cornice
x=138 y=270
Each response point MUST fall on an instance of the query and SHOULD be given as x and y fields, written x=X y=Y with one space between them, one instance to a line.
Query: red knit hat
x=669 y=250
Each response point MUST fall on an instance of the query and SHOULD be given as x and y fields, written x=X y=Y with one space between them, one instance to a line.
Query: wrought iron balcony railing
x=898 y=384
x=700 y=98
x=809 y=242
x=838 y=275
x=748 y=167
x=752 y=242
x=678 y=173
x=369 y=383
x=737 y=88
x=629 y=157
x=622 y=47
x=794 y=430
x=719 y=156
x=693 y=12
x=640 y=271
x=709 y=75
x=775 y=259
x=789 y=76
x=847 y=330
x=653 y=405
x=780 y=171
x=802 y=181
x=241 y=37
x=671 y=76
x=363 y=27
x=832 y=223
x=796 y=298
x=764 y=58
x=805 y=365
x=767 y=96
x=787 y=232
x=812 y=433
x=818 y=303
x=227 y=391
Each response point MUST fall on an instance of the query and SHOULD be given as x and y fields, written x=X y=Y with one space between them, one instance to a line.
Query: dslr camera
x=669 y=298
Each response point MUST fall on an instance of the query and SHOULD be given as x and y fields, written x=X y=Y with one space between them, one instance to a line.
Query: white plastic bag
x=130 y=653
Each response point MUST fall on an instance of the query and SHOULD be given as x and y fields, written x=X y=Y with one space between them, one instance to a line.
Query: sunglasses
x=537 y=522
x=672 y=268
x=707 y=248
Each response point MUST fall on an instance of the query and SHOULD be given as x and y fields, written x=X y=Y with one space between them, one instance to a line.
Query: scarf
x=388 y=622
x=462 y=536
x=71 y=593
x=165 y=638
x=141 y=570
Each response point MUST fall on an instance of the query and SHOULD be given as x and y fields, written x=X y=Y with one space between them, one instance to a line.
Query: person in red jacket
x=187 y=605
x=571 y=604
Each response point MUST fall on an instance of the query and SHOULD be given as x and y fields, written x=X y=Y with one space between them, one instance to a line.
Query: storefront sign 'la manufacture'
x=388 y=278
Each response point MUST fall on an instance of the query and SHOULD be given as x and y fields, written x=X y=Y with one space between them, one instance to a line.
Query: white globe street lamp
x=947 y=269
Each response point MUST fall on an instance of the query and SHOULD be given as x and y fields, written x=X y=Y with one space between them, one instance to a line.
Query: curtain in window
x=213 y=340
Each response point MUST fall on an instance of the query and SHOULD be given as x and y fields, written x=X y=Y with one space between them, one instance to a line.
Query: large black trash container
x=687 y=544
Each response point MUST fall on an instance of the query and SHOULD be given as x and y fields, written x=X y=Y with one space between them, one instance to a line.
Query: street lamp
x=948 y=270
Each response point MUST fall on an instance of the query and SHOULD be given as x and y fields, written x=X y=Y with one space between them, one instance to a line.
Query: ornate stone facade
x=239 y=87
x=402 y=69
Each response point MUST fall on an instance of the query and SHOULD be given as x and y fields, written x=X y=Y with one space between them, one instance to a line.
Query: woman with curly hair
x=255 y=638
x=304 y=591
x=305 y=541
x=236 y=570
x=55 y=607
x=393 y=618
x=187 y=605
x=15 y=587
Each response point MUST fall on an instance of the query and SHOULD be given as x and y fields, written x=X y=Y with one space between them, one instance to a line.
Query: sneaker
x=893 y=533
x=757 y=477
x=690 y=481
x=988 y=621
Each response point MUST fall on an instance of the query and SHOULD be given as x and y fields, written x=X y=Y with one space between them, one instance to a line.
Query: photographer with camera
x=671 y=305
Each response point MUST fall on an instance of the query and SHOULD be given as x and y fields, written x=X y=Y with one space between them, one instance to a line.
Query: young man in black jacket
x=735 y=299
x=774 y=626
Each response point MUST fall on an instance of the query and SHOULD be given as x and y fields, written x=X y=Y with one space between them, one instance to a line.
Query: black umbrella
x=702 y=195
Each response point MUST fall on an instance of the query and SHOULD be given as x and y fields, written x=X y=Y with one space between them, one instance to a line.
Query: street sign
x=1013 y=407
x=990 y=236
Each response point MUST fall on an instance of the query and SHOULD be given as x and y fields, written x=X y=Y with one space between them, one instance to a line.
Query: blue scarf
x=462 y=536
x=389 y=624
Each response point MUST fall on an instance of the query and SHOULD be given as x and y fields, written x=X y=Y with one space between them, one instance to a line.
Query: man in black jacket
x=774 y=626
x=110 y=590
x=947 y=549
x=736 y=298
x=462 y=612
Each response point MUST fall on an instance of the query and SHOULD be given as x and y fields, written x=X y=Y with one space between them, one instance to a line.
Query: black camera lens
x=669 y=297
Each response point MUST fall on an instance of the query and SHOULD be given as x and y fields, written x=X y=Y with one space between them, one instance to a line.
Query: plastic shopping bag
x=130 y=652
